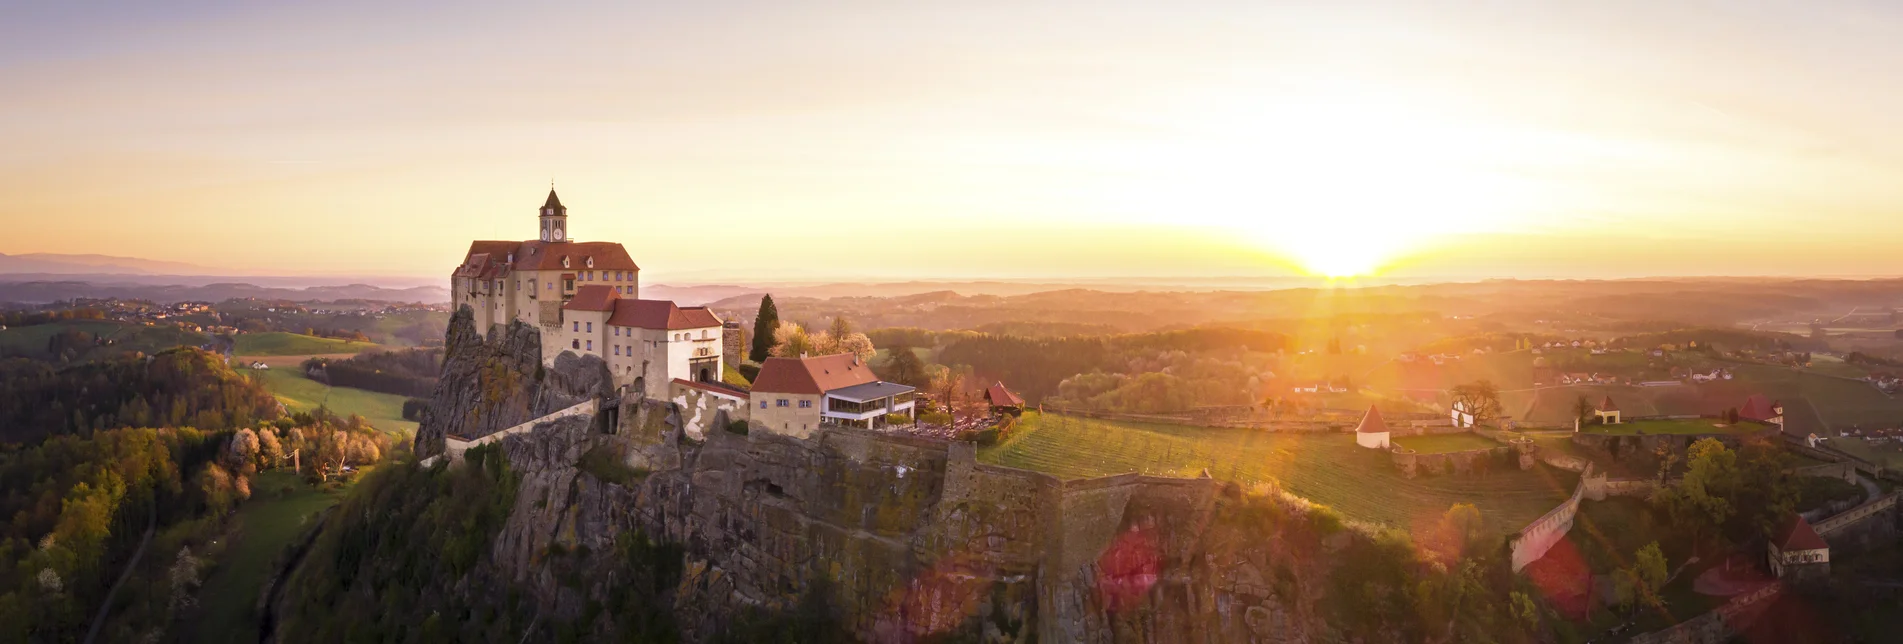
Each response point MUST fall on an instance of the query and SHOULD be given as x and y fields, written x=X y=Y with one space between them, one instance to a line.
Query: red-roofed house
x=1001 y=399
x=1761 y=409
x=795 y=395
x=1608 y=411
x=1372 y=432
x=585 y=298
x=1797 y=553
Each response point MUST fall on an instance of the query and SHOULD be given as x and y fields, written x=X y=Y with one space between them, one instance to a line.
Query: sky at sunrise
x=728 y=140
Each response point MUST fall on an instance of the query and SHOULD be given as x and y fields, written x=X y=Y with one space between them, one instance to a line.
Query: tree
x=840 y=327
x=1481 y=398
x=270 y=447
x=1639 y=583
x=1583 y=410
x=859 y=346
x=791 y=341
x=1700 y=501
x=904 y=367
x=766 y=326
x=242 y=455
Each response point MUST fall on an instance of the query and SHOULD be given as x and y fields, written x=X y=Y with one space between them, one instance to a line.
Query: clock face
x=558 y=234
x=544 y=235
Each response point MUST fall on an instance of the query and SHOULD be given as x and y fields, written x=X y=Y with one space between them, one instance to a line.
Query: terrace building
x=795 y=395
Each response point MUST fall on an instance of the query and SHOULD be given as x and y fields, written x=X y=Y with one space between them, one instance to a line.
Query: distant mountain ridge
x=95 y=264
x=38 y=292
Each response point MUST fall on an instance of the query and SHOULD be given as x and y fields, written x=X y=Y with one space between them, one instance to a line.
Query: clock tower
x=554 y=219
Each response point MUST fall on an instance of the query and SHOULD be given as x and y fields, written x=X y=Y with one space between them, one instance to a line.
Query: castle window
x=806 y=404
x=763 y=404
x=575 y=343
x=577 y=328
x=591 y=327
x=779 y=403
x=591 y=345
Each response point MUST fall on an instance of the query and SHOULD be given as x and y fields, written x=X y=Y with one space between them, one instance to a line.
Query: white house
x=1372 y=433
x=1459 y=413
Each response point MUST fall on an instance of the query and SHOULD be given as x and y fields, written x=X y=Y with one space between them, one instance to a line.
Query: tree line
x=411 y=372
x=177 y=388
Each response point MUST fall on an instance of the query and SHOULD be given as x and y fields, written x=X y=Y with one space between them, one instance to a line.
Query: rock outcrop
x=490 y=384
x=911 y=538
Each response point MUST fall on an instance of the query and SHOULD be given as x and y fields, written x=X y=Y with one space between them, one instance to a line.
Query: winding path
x=99 y=619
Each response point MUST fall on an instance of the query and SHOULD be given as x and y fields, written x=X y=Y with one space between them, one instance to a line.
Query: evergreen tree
x=763 y=327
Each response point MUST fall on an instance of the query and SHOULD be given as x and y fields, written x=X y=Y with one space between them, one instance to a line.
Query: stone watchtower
x=554 y=219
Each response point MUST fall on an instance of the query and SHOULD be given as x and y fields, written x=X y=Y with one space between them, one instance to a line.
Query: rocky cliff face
x=490 y=384
x=909 y=538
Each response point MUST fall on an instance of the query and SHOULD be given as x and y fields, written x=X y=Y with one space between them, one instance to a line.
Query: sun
x=1339 y=185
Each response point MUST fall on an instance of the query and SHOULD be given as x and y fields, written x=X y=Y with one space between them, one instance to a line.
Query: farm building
x=1002 y=400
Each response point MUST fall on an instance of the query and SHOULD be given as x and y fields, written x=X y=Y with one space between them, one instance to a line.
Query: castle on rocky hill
x=585 y=298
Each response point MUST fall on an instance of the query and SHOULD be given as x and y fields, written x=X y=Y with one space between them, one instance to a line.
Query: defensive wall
x=1719 y=625
x=1532 y=542
x=454 y=445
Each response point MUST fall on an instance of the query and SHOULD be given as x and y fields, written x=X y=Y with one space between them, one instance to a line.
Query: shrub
x=935 y=418
x=751 y=371
x=987 y=437
x=737 y=427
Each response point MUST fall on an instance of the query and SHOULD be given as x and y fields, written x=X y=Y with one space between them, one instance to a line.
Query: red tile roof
x=658 y=314
x=1607 y=404
x=998 y=395
x=811 y=375
x=1757 y=407
x=1798 y=535
x=593 y=297
x=1372 y=423
x=546 y=256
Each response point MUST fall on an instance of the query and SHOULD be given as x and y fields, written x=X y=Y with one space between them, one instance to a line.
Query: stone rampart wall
x=456 y=445
x=1844 y=470
x=1873 y=524
x=1537 y=537
x=1719 y=625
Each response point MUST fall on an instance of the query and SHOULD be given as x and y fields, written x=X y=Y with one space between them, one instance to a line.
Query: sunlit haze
x=1026 y=140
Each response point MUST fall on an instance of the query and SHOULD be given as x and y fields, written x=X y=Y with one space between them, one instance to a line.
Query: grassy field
x=1325 y=468
x=1688 y=426
x=1886 y=454
x=1443 y=443
x=278 y=343
x=31 y=341
x=265 y=525
x=298 y=393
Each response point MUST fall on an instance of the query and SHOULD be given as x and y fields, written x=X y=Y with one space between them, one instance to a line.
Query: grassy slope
x=278 y=343
x=31 y=340
x=1885 y=454
x=1326 y=468
x=265 y=525
x=1691 y=426
x=298 y=393
x=1441 y=443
